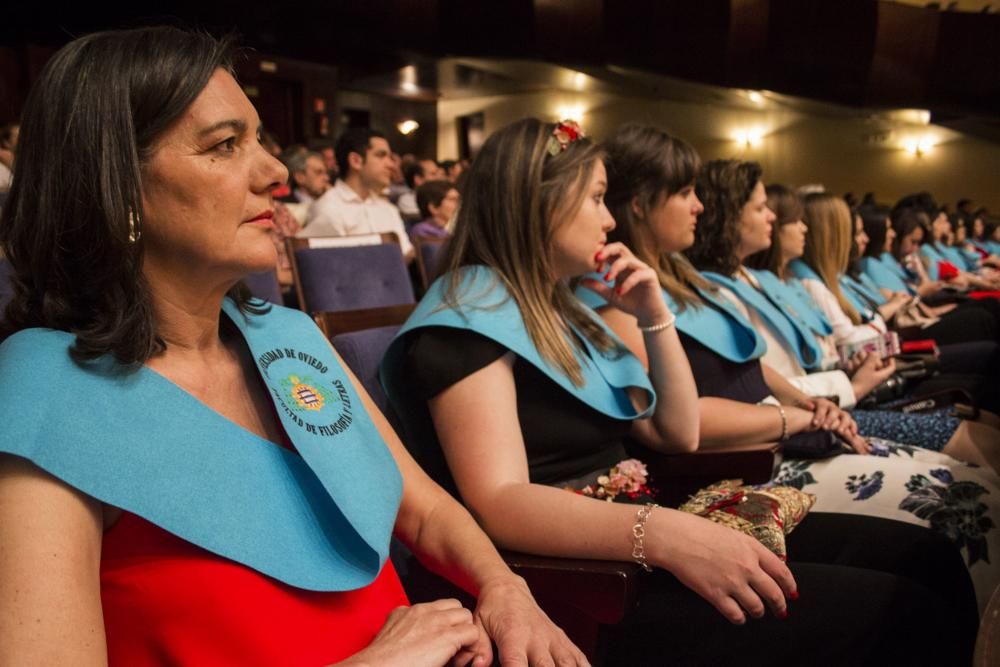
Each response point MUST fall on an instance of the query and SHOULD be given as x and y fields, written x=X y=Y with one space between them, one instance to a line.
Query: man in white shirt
x=355 y=205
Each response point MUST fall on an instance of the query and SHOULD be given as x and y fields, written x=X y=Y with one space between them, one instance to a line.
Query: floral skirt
x=959 y=500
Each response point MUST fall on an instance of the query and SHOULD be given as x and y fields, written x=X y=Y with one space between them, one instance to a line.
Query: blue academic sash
x=486 y=307
x=319 y=519
x=858 y=296
x=780 y=315
x=803 y=271
x=883 y=276
x=717 y=324
x=891 y=263
x=933 y=256
x=807 y=307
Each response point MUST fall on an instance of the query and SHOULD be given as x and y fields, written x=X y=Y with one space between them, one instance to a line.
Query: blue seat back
x=355 y=277
x=265 y=286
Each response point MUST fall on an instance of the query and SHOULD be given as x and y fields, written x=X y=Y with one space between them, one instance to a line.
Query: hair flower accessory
x=563 y=134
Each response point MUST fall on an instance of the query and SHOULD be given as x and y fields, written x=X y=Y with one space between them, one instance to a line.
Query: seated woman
x=437 y=200
x=507 y=385
x=969 y=354
x=651 y=194
x=188 y=476
x=936 y=250
x=772 y=309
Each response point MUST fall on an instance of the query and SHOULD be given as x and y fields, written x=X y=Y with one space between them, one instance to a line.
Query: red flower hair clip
x=563 y=134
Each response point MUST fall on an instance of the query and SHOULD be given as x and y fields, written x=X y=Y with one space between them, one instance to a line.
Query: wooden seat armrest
x=337 y=322
x=604 y=590
x=677 y=476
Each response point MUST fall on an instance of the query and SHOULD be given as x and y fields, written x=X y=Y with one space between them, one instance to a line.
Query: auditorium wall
x=796 y=142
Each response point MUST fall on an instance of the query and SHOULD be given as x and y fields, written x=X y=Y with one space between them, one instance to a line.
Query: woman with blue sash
x=647 y=184
x=478 y=387
x=725 y=265
x=188 y=475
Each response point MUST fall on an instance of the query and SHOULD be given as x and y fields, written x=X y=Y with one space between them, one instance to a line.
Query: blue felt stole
x=933 y=255
x=780 y=315
x=805 y=305
x=960 y=258
x=486 y=307
x=893 y=265
x=319 y=519
x=716 y=323
x=803 y=271
x=858 y=296
x=883 y=275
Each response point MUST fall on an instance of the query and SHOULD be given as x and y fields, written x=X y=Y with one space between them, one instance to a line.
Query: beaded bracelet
x=665 y=324
x=639 y=535
x=784 y=422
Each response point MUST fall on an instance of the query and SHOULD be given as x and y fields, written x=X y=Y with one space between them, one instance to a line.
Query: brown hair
x=645 y=166
x=828 y=244
x=72 y=227
x=432 y=193
x=724 y=188
x=787 y=208
x=515 y=196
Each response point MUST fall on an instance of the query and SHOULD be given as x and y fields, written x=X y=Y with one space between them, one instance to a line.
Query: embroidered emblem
x=305 y=393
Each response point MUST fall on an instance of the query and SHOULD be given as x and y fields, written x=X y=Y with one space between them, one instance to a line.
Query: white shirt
x=341 y=212
x=844 y=331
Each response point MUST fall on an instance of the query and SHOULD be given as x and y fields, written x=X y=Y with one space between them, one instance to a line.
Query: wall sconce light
x=755 y=97
x=750 y=138
x=407 y=127
x=919 y=146
x=408 y=80
x=573 y=112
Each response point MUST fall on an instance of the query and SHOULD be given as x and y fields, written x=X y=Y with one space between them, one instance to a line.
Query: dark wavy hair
x=72 y=223
x=724 y=187
x=645 y=166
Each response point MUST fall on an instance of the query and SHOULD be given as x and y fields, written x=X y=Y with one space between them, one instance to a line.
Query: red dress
x=169 y=602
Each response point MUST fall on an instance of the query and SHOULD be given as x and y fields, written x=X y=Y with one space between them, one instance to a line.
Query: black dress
x=873 y=591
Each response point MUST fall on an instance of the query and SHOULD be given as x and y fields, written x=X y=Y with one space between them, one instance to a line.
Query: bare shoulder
x=50 y=552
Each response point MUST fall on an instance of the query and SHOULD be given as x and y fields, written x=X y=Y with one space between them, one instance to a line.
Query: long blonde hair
x=516 y=194
x=828 y=243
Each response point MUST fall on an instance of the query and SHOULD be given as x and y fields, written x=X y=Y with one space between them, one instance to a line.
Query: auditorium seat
x=345 y=278
x=265 y=286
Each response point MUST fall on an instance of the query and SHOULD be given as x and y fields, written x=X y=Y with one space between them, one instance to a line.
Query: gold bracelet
x=784 y=422
x=665 y=324
x=639 y=535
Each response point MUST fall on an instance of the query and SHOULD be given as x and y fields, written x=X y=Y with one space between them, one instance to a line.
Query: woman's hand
x=930 y=288
x=636 y=288
x=732 y=571
x=524 y=635
x=870 y=374
x=428 y=634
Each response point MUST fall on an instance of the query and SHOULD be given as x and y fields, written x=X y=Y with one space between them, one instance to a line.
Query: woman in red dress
x=191 y=477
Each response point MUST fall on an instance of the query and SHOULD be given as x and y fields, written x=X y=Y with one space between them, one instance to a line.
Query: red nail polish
x=597 y=256
x=783 y=614
x=794 y=595
x=618 y=291
x=607 y=275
